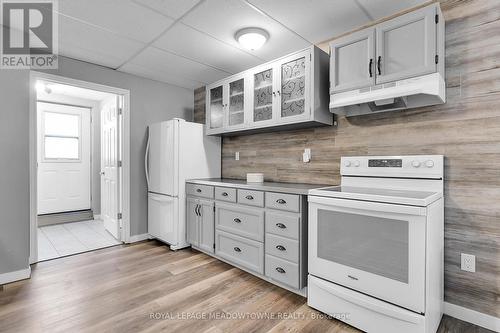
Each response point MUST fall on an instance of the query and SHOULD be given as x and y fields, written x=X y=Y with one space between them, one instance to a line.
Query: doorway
x=79 y=175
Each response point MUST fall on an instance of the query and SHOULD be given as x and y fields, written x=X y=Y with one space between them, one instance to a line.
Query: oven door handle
x=385 y=309
x=366 y=206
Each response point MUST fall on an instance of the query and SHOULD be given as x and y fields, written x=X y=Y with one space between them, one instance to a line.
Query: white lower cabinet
x=200 y=223
x=240 y=250
x=261 y=232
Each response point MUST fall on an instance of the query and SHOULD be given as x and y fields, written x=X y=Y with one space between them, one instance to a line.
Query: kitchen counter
x=294 y=188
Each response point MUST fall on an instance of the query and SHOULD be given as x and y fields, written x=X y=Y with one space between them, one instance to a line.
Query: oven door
x=375 y=248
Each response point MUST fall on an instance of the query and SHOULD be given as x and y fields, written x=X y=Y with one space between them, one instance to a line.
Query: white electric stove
x=376 y=244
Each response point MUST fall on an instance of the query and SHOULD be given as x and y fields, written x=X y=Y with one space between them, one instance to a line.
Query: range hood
x=399 y=95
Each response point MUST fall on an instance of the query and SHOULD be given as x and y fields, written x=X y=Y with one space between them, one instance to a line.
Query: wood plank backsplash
x=466 y=130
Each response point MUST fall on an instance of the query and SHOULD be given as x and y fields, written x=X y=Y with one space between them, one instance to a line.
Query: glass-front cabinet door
x=236 y=103
x=263 y=96
x=215 y=109
x=294 y=85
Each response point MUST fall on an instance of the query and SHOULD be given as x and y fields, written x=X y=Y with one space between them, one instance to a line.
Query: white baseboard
x=97 y=217
x=138 y=238
x=471 y=316
x=15 y=276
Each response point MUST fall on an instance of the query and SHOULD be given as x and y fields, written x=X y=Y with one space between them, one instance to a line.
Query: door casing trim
x=125 y=153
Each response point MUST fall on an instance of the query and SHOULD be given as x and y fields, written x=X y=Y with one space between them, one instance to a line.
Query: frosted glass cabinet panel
x=236 y=102
x=294 y=87
x=216 y=107
x=263 y=95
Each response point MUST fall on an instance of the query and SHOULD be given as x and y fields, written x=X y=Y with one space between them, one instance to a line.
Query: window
x=61 y=136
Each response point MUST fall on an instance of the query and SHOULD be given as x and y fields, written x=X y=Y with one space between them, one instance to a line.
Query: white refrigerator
x=176 y=150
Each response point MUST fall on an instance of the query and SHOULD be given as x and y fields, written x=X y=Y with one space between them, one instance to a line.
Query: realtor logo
x=29 y=34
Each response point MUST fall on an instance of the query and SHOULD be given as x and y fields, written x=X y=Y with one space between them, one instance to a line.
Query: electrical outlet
x=468 y=262
x=237 y=156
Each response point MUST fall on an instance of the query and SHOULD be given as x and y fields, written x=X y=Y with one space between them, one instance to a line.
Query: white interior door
x=110 y=171
x=63 y=158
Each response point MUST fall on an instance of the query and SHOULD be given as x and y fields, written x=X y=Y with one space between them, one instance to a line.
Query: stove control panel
x=413 y=166
x=385 y=163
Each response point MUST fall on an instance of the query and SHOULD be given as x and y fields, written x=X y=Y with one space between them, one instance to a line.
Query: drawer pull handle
x=224 y=194
x=249 y=197
x=237 y=249
x=280 y=270
x=281 y=201
x=237 y=220
x=281 y=225
x=281 y=247
x=198 y=190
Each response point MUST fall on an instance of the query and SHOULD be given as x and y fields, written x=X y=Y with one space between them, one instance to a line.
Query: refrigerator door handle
x=161 y=198
x=146 y=160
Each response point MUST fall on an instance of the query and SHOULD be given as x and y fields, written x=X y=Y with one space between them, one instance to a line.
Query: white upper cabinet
x=226 y=104
x=290 y=91
x=352 y=61
x=406 y=46
x=397 y=49
x=263 y=105
x=215 y=107
x=294 y=87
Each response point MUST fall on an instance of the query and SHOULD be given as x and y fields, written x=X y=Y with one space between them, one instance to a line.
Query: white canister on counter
x=255 y=177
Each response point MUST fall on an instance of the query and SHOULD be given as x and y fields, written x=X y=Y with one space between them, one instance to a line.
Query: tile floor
x=60 y=240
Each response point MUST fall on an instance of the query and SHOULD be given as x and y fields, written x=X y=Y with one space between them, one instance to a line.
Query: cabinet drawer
x=241 y=251
x=243 y=221
x=204 y=191
x=252 y=198
x=282 y=247
x=225 y=194
x=282 y=271
x=283 y=201
x=283 y=224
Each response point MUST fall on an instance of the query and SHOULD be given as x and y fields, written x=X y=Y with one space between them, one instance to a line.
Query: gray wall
x=14 y=170
x=151 y=101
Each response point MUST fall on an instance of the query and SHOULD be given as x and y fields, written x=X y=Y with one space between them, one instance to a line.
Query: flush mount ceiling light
x=252 y=38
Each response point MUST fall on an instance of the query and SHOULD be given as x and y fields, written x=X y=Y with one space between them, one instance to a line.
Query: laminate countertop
x=294 y=188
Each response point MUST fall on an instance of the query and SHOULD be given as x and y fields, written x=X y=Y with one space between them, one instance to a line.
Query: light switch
x=306 y=156
x=237 y=156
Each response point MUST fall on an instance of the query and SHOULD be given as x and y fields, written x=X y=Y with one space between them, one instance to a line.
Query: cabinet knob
x=281 y=247
x=224 y=194
x=237 y=220
x=237 y=249
x=280 y=270
x=281 y=225
x=198 y=190
x=281 y=201
x=249 y=197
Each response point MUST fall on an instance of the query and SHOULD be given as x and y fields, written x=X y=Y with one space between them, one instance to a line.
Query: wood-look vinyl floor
x=148 y=288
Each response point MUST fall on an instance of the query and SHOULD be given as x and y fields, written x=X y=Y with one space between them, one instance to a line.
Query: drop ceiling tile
x=171 y=8
x=88 y=43
x=123 y=17
x=315 y=20
x=382 y=8
x=156 y=59
x=185 y=41
x=159 y=75
x=222 y=18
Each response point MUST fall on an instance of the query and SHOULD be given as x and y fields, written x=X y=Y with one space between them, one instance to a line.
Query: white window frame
x=79 y=137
